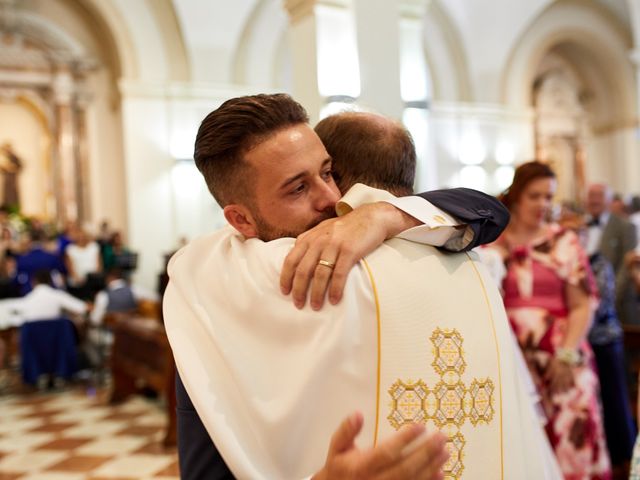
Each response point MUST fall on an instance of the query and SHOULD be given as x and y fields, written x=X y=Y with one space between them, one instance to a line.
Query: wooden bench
x=141 y=355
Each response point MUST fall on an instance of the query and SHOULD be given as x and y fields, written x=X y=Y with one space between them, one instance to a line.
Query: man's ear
x=240 y=218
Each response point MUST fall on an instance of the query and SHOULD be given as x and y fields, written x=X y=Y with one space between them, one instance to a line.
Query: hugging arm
x=485 y=215
x=478 y=218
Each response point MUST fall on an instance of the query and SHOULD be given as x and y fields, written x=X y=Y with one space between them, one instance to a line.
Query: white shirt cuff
x=438 y=227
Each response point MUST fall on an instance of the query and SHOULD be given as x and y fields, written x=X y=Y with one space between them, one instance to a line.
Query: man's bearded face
x=293 y=185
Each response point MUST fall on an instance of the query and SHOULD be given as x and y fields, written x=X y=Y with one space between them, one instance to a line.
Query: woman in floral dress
x=549 y=296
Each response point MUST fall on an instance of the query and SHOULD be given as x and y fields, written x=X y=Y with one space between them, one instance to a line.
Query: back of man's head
x=114 y=273
x=41 y=277
x=228 y=132
x=370 y=149
x=36 y=236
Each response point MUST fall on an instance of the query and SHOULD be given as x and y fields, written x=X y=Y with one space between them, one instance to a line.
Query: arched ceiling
x=211 y=30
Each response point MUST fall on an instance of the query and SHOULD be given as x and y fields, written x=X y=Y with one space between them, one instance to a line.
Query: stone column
x=378 y=34
x=324 y=57
x=71 y=179
x=81 y=156
x=64 y=162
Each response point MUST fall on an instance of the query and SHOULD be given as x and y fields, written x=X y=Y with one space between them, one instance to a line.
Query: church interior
x=100 y=102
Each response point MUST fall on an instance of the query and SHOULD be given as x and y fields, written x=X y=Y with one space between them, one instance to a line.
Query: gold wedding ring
x=326 y=263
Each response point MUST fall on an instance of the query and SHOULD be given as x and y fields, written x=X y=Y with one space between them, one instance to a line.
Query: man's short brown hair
x=235 y=127
x=370 y=149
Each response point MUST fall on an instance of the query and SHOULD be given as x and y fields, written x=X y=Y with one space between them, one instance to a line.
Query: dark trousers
x=198 y=457
x=619 y=427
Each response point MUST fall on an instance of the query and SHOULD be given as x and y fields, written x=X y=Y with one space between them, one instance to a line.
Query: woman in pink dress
x=549 y=297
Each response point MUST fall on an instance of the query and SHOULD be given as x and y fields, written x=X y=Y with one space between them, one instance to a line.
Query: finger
x=424 y=463
x=343 y=438
x=429 y=458
x=389 y=453
x=290 y=264
x=421 y=461
x=344 y=264
x=434 y=470
x=321 y=278
x=304 y=273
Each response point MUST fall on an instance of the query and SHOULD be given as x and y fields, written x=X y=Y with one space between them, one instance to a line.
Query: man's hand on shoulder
x=404 y=455
x=339 y=243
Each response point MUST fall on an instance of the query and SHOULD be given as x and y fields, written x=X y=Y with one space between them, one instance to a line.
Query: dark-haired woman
x=549 y=296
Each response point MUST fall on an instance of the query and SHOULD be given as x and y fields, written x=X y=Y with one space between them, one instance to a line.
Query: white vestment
x=272 y=383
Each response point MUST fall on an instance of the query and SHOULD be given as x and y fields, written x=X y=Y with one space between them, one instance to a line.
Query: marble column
x=69 y=181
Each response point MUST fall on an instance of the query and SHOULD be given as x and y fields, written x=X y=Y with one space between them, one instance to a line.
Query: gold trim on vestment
x=495 y=337
x=377 y=301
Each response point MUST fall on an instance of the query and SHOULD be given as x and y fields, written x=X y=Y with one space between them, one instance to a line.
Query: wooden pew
x=141 y=355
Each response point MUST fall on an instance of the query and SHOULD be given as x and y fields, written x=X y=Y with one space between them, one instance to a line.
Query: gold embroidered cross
x=449 y=404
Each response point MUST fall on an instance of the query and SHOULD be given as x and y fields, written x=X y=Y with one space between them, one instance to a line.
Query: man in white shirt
x=45 y=302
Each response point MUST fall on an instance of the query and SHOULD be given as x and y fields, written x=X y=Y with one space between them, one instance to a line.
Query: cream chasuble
x=447 y=358
x=418 y=334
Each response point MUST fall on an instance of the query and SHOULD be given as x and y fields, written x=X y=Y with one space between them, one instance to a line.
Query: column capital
x=300 y=9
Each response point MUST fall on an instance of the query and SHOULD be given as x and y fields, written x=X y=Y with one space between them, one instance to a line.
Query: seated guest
x=44 y=302
x=112 y=250
x=36 y=258
x=48 y=348
x=82 y=259
x=118 y=296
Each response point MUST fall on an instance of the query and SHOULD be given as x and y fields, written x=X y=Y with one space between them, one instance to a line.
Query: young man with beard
x=227 y=320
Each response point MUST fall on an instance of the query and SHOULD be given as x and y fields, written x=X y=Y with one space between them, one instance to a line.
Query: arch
x=445 y=55
x=588 y=34
x=48 y=36
x=258 y=53
x=110 y=26
x=120 y=47
x=172 y=39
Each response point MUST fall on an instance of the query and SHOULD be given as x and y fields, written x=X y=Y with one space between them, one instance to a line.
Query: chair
x=47 y=347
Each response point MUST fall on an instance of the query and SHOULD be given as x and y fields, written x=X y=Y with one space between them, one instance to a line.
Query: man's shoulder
x=618 y=220
x=398 y=249
x=227 y=251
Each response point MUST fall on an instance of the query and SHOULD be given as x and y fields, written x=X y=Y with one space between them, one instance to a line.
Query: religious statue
x=10 y=167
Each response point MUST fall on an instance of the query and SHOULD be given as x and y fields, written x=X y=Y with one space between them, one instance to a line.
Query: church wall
x=23 y=127
x=609 y=150
x=477 y=145
x=148 y=187
x=166 y=195
x=108 y=195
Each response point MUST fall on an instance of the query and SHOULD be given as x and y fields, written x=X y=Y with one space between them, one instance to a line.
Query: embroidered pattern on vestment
x=449 y=404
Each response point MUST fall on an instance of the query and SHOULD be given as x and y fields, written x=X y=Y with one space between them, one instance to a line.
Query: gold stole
x=439 y=357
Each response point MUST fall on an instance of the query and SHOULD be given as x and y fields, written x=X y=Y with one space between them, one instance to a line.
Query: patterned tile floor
x=70 y=435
